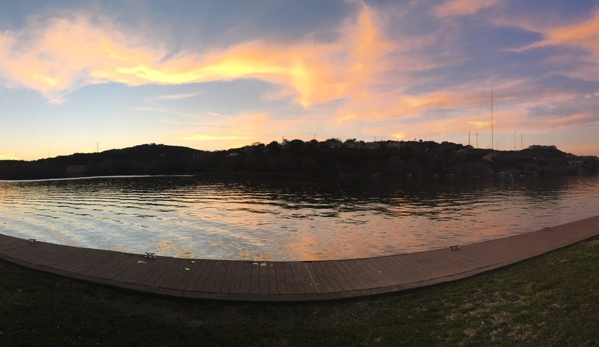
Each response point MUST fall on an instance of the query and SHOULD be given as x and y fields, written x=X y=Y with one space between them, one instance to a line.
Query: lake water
x=288 y=219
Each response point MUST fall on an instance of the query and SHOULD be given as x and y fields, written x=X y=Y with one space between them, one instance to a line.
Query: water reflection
x=278 y=219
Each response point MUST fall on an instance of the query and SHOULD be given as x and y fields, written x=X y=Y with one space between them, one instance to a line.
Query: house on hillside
x=373 y=145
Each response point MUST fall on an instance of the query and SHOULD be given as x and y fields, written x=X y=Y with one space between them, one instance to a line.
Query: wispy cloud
x=177 y=96
x=463 y=7
x=581 y=36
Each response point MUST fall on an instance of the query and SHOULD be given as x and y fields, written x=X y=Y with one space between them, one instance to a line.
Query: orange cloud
x=584 y=35
x=463 y=7
x=60 y=55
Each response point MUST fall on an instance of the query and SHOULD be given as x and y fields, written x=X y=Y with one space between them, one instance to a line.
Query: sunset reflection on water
x=266 y=219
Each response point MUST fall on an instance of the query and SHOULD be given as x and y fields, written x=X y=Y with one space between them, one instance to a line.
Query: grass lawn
x=551 y=300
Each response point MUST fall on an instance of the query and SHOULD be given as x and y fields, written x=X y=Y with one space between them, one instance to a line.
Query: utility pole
x=514 y=140
x=521 y=141
x=476 y=140
x=468 y=137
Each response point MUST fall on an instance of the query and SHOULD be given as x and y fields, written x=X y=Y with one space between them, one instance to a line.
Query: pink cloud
x=63 y=54
x=463 y=7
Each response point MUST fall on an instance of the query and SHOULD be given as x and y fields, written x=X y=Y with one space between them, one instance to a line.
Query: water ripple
x=261 y=219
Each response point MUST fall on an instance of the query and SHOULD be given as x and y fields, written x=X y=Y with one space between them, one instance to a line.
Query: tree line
x=330 y=157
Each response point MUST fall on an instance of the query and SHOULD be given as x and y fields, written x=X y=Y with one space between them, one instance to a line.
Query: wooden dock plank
x=309 y=280
x=314 y=276
x=263 y=278
x=335 y=285
x=117 y=263
x=161 y=267
x=201 y=282
x=126 y=262
x=140 y=270
x=39 y=253
x=235 y=286
x=290 y=280
x=340 y=275
x=282 y=286
x=255 y=278
x=300 y=277
x=377 y=271
x=273 y=286
x=196 y=272
x=246 y=274
x=361 y=269
x=72 y=259
x=220 y=269
x=350 y=275
x=225 y=286
x=9 y=242
x=177 y=275
x=89 y=267
x=194 y=265
x=150 y=267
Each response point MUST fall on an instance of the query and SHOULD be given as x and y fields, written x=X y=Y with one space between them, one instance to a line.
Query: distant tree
x=296 y=146
x=274 y=148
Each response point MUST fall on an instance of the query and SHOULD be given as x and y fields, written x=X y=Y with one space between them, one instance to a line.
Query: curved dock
x=290 y=280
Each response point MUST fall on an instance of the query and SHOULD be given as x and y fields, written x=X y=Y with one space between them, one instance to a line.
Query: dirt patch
x=591 y=243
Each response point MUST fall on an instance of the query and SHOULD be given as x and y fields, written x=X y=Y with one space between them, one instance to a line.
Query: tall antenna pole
x=521 y=141
x=514 y=140
x=492 y=118
x=468 y=137
x=476 y=140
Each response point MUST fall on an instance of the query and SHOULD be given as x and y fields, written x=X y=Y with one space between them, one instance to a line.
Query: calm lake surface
x=288 y=219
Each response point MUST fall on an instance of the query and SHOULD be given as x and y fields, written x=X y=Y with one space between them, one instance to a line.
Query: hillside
x=330 y=157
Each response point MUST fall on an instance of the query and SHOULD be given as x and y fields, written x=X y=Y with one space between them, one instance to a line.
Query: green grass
x=552 y=300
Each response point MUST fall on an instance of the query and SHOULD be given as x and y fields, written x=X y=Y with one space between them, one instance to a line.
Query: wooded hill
x=330 y=157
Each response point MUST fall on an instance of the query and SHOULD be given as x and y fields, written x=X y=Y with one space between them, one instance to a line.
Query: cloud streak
x=453 y=8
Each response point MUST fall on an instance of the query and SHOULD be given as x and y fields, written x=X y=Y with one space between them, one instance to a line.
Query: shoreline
x=290 y=280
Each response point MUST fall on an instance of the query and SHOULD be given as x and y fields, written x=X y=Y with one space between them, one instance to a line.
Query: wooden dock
x=289 y=280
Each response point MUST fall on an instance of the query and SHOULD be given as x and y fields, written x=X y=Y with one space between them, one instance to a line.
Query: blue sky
x=220 y=74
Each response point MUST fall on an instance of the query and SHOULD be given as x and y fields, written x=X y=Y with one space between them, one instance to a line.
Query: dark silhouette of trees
x=330 y=157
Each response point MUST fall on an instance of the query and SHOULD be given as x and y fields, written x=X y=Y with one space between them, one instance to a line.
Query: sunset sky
x=217 y=74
